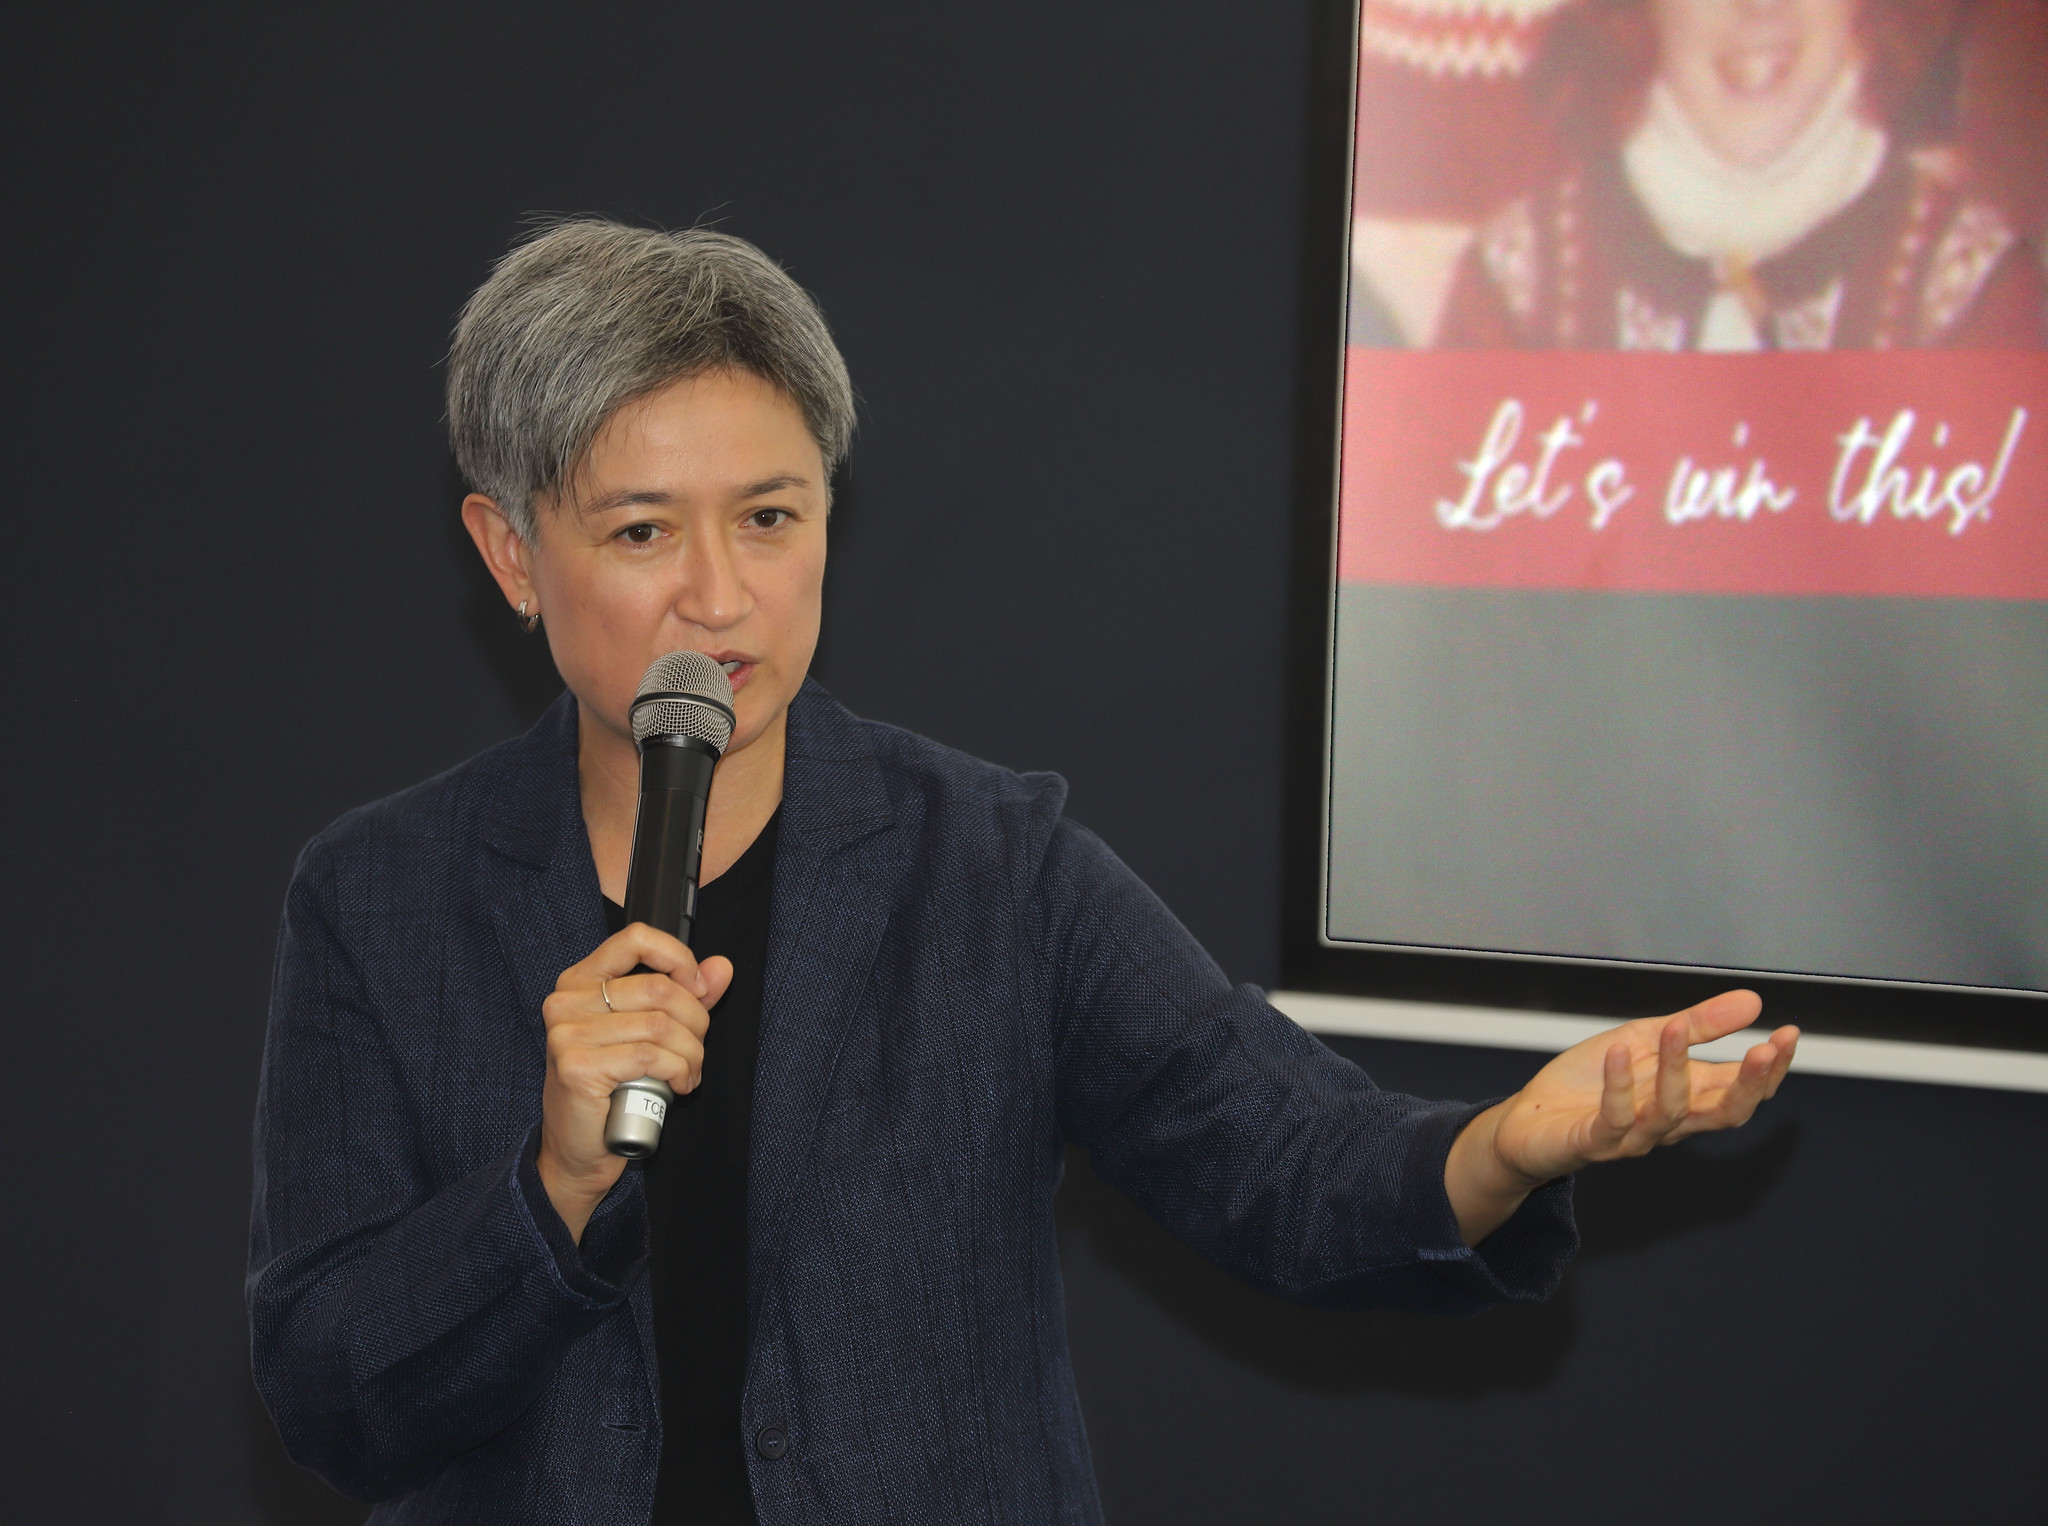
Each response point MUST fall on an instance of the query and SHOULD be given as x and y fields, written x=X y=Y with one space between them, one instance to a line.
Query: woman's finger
x=1674 y=1078
x=638 y=944
x=1719 y=1016
x=1744 y=1092
x=575 y=1002
x=1747 y=1091
x=668 y=1053
x=654 y=992
x=653 y=1025
x=1785 y=1041
x=717 y=972
x=1761 y=1071
x=634 y=993
x=1617 y=1092
x=658 y=993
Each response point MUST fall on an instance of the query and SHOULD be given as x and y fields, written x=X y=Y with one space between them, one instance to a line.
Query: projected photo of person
x=1694 y=393
x=1740 y=175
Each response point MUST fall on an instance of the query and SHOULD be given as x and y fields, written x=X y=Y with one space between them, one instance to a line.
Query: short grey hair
x=590 y=315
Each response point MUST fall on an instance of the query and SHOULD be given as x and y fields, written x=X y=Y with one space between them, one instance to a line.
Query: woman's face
x=698 y=521
x=1750 y=74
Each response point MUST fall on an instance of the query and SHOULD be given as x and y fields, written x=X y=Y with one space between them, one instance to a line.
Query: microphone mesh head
x=684 y=694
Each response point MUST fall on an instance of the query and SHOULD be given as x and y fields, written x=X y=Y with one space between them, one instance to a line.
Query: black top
x=697 y=1199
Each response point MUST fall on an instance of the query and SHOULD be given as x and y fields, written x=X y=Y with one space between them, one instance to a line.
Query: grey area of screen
x=1854 y=788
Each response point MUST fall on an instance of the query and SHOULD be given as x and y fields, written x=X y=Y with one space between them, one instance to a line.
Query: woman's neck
x=744 y=794
x=1709 y=207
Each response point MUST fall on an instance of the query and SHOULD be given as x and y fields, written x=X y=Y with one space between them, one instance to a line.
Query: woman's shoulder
x=959 y=781
x=963 y=806
x=506 y=787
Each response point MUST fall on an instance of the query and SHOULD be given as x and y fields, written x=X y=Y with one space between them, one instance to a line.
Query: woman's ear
x=502 y=550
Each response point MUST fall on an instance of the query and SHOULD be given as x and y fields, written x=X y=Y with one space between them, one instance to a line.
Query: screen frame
x=1854 y=1007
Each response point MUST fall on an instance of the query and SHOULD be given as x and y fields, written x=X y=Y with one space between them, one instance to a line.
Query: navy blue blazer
x=960 y=982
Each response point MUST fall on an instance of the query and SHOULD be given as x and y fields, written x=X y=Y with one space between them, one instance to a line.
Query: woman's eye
x=767 y=519
x=639 y=535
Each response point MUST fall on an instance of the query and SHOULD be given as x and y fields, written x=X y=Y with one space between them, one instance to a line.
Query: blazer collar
x=538 y=874
x=830 y=911
x=833 y=790
x=532 y=804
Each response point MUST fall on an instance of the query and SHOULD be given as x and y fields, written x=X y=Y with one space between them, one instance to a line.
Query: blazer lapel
x=544 y=900
x=541 y=881
x=830 y=908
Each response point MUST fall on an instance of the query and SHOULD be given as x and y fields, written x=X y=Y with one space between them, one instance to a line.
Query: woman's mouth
x=737 y=671
x=1756 y=69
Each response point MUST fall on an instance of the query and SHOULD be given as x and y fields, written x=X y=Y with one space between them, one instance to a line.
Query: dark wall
x=1061 y=245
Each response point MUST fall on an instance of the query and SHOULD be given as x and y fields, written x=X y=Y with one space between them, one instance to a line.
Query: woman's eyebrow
x=773 y=484
x=630 y=497
x=625 y=498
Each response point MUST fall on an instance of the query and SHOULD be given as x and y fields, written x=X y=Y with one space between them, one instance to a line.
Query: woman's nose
x=712 y=593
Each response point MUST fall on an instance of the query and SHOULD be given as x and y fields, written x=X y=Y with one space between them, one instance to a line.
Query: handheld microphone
x=682 y=719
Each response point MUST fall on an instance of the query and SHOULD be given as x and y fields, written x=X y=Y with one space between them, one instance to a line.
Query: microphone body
x=682 y=720
x=668 y=833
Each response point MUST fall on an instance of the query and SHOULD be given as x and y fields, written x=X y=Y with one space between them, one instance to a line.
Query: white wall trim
x=1819 y=1053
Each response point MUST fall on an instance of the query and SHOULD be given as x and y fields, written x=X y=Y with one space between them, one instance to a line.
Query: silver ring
x=604 y=991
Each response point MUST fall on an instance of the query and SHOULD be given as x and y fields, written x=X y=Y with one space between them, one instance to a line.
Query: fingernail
x=703 y=985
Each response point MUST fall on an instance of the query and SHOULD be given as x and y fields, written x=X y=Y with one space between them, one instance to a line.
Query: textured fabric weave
x=959 y=982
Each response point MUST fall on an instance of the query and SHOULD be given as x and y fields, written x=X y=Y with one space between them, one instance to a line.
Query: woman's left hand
x=1619 y=1093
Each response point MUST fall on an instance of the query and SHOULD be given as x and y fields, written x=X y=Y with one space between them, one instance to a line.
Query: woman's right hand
x=654 y=1026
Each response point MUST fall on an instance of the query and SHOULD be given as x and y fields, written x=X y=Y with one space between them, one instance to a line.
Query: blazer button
x=771 y=1441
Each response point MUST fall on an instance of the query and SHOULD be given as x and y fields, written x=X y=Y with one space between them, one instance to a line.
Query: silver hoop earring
x=528 y=623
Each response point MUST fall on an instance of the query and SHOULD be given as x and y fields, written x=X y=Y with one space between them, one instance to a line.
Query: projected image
x=1693 y=522
x=1700 y=174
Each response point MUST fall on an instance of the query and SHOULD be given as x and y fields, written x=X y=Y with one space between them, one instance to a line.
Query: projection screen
x=1690 y=568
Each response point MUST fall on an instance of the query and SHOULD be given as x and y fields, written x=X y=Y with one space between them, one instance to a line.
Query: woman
x=1750 y=175
x=834 y=1294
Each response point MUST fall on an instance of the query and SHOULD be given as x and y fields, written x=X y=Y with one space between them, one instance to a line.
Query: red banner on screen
x=1910 y=473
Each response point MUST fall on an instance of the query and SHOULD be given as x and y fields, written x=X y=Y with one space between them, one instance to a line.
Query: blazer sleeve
x=1243 y=1134
x=397 y=1319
